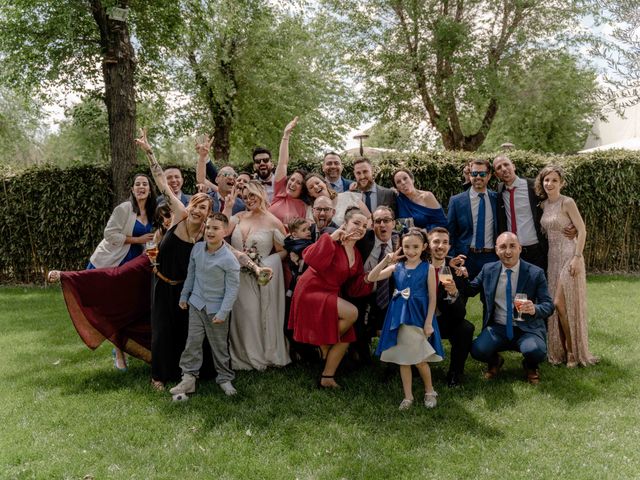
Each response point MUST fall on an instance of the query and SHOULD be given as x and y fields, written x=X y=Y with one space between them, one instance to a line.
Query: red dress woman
x=318 y=315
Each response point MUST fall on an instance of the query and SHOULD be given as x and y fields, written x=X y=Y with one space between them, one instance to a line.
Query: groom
x=500 y=281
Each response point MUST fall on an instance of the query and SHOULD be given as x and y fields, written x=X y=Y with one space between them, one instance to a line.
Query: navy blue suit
x=460 y=226
x=530 y=334
x=345 y=183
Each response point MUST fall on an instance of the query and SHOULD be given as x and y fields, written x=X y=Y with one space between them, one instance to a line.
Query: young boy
x=210 y=289
x=298 y=239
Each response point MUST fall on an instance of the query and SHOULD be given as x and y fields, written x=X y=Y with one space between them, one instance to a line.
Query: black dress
x=169 y=323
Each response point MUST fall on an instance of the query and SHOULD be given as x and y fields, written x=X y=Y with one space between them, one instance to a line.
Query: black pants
x=459 y=332
x=535 y=254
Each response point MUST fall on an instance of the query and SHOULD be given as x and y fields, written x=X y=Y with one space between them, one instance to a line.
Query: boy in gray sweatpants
x=211 y=288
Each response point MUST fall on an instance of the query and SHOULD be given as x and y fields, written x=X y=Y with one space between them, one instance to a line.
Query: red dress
x=314 y=307
x=284 y=207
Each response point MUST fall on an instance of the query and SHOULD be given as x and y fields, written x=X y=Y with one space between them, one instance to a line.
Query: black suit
x=370 y=315
x=384 y=196
x=454 y=327
x=536 y=254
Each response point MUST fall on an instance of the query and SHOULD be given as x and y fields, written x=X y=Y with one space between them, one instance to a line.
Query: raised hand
x=290 y=126
x=394 y=257
x=143 y=142
x=203 y=149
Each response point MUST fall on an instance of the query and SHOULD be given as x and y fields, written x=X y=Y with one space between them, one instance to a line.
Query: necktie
x=367 y=200
x=480 y=222
x=382 y=286
x=334 y=186
x=512 y=209
x=221 y=204
x=509 y=300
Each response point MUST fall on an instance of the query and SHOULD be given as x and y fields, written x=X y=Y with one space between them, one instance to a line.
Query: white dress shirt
x=474 y=197
x=372 y=259
x=524 y=216
x=500 y=300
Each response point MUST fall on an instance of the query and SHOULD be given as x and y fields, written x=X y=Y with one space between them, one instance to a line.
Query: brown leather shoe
x=533 y=376
x=494 y=368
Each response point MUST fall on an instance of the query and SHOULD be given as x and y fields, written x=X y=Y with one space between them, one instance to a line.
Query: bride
x=256 y=330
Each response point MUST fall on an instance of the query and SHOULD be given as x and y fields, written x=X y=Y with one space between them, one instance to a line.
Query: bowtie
x=266 y=182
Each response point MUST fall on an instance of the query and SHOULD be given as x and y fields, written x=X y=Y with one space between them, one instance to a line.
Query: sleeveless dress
x=402 y=340
x=169 y=323
x=423 y=217
x=561 y=251
x=256 y=330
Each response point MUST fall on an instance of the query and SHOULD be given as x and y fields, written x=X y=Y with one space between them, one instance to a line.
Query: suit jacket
x=455 y=311
x=531 y=280
x=345 y=183
x=387 y=197
x=536 y=211
x=328 y=229
x=238 y=206
x=366 y=244
x=460 y=221
x=184 y=198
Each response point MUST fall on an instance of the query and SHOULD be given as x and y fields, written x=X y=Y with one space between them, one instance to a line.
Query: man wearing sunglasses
x=263 y=169
x=472 y=220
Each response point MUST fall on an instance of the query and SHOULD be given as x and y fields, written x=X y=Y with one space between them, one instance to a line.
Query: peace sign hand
x=143 y=142
x=394 y=257
x=202 y=149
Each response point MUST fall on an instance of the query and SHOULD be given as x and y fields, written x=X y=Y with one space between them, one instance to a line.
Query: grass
x=66 y=413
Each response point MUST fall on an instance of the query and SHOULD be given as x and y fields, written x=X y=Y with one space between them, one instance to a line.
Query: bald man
x=323 y=213
x=501 y=330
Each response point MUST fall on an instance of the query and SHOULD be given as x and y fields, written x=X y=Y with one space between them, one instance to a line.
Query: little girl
x=408 y=324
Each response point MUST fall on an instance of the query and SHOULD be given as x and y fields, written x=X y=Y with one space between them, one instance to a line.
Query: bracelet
x=576 y=255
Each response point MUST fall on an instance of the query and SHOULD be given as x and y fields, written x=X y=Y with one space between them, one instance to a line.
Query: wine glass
x=151 y=249
x=446 y=276
x=519 y=300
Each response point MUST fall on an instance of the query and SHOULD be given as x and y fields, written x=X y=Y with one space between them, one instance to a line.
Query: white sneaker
x=187 y=385
x=228 y=389
x=430 y=400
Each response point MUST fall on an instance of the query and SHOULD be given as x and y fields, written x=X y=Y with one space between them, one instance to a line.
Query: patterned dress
x=561 y=252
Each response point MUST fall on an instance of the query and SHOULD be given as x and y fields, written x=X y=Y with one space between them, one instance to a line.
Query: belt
x=165 y=279
x=481 y=250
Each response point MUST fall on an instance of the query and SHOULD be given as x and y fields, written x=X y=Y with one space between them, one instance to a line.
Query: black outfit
x=315 y=233
x=456 y=328
x=537 y=253
x=169 y=323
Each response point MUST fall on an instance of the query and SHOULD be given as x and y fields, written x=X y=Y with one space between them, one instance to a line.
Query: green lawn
x=66 y=413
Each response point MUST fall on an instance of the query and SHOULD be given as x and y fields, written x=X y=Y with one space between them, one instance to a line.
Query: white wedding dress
x=256 y=330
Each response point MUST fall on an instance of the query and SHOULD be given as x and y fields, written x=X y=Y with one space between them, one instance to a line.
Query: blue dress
x=135 y=249
x=423 y=217
x=408 y=308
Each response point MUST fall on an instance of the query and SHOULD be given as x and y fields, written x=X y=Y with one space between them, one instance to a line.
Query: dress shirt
x=372 y=259
x=373 y=198
x=524 y=216
x=338 y=186
x=488 y=217
x=500 y=301
x=212 y=281
x=268 y=188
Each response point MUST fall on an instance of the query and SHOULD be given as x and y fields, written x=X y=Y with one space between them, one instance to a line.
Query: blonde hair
x=257 y=189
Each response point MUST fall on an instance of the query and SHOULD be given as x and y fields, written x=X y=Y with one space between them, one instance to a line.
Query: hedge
x=54 y=218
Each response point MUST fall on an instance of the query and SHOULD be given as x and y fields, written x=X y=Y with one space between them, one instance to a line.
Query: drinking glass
x=519 y=300
x=446 y=276
x=151 y=249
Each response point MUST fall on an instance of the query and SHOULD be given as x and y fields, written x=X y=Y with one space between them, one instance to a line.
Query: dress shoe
x=454 y=380
x=494 y=368
x=533 y=376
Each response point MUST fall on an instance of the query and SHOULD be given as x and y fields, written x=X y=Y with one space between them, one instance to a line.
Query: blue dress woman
x=419 y=205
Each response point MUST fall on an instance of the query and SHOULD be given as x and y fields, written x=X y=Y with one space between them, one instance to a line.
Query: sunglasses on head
x=258 y=161
x=479 y=174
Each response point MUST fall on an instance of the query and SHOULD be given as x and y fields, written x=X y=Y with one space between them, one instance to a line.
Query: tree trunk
x=118 y=70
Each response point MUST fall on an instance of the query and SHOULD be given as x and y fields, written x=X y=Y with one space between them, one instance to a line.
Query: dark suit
x=383 y=196
x=238 y=206
x=184 y=199
x=454 y=326
x=536 y=254
x=315 y=234
x=342 y=181
x=529 y=336
x=370 y=315
x=460 y=225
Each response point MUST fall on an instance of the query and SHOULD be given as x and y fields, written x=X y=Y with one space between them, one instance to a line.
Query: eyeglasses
x=258 y=161
x=379 y=221
x=323 y=209
x=228 y=174
x=479 y=174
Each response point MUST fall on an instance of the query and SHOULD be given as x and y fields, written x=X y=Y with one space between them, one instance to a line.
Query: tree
x=449 y=63
x=80 y=46
x=252 y=66
x=19 y=129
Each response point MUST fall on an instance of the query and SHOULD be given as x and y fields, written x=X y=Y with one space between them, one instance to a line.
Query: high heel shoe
x=115 y=361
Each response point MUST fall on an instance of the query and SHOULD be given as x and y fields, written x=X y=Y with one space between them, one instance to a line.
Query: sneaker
x=187 y=385
x=430 y=400
x=405 y=404
x=228 y=389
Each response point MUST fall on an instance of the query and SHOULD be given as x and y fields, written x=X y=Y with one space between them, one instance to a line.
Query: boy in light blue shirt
x=209 y=291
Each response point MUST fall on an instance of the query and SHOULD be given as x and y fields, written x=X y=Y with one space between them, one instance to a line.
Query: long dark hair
x=150 y=203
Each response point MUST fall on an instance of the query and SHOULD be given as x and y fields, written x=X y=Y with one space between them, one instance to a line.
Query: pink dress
x=285 y=207
x=561 y=251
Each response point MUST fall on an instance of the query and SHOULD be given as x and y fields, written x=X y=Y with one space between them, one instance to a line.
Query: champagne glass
x=446 y=276
x=519 y=300
x=151 y=248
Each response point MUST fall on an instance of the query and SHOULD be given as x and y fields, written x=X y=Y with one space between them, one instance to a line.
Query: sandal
x=430 y=400
x=157 y=385
x=334 y=385
x=405 y=404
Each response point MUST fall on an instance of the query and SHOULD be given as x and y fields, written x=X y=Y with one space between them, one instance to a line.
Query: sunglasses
x=479 y=174
x=379 y=221
x=258 y=161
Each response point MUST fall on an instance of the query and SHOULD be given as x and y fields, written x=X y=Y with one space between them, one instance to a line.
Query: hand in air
x=143 y=142
x=290 y=126
x=394 y=257
x=202 y=149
